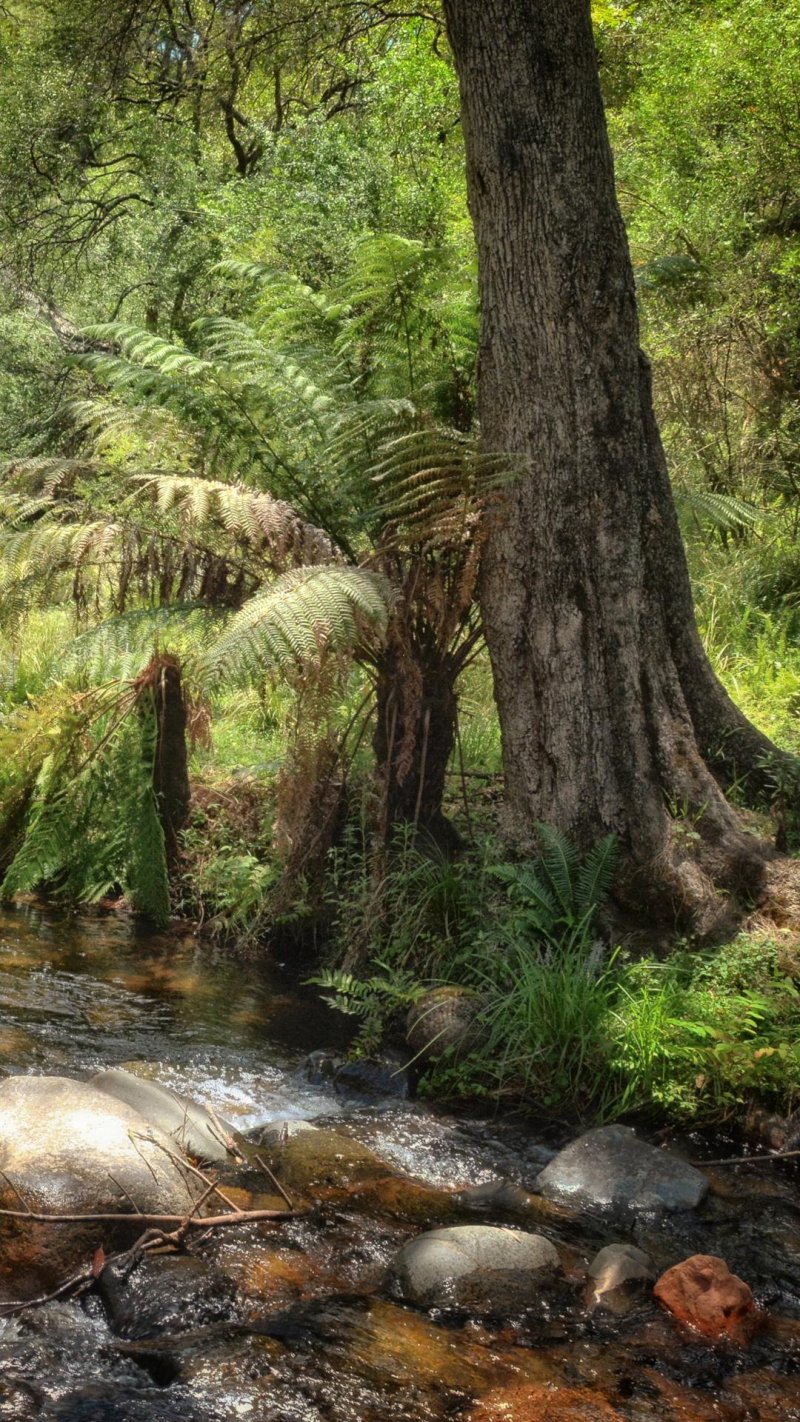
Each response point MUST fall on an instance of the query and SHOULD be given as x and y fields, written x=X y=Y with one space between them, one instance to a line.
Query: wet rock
x=320 y=1067
x=543 y=1402
x=477 y=1267
x=68 y=1148
x=616 y=1275
x=312 y=1160
x=501 y=1195
x=373 y=1077
x=165 y=1295
x=702 y=1292
x=189 y=1125
x=610 y=1171
x=276 y=1134
x=103 y=1402
x=442 y=1020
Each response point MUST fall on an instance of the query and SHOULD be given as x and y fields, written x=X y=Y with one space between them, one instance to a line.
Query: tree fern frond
x=722 y=510
x=271 y=526
x=122 y=645
x=301 y=612
x=146 y=349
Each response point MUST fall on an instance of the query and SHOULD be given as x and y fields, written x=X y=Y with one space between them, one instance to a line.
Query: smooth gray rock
x=616 y=1275
x=189 y=1125
x=610 y=1171
x=284 y=1128
x=67 y=1148
x=476 y=1267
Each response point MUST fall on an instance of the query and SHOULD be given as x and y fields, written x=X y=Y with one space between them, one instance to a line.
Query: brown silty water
x=316 y=1334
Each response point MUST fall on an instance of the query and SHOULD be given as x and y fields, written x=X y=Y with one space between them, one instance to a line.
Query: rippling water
x=77 y=994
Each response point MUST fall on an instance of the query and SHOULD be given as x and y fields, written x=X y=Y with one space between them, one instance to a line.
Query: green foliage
x=78 y=802
x=378 y=1003
x=304 y=613
x=702 y=1034
x=554 y=900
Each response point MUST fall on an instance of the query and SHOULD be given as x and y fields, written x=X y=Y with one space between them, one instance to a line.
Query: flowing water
x=329 y=1344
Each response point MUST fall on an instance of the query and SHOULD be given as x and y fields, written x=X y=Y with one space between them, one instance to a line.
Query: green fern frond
x=560 y=861
x=121 y=646
x=301 y=613
x=721 y=510
x=146 y=349
x=594 y=878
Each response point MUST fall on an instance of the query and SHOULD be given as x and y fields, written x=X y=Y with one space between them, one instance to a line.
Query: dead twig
x=751 y=1159
x=200 y=1174
x=275 y=1181
x=236 y=1217
x=79 y=1282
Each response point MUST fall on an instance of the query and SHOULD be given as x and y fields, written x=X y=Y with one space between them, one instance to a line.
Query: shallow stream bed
x=319 y=1337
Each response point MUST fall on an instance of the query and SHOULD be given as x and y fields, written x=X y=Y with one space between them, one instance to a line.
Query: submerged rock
x=275 y=1135
x=479 y=1267
x=373 y=1077
x=610 y=1171
x=165 y=1295
x=69 y=1149
x=190 y=1125
x=543 y=1402
x=616 y=1274
x=702 y=1292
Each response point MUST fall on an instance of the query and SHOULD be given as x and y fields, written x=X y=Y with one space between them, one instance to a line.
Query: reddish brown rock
x=702 y=1292
x=541 y=1402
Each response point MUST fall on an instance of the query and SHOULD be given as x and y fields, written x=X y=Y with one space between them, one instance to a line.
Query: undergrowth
x=568 y=1024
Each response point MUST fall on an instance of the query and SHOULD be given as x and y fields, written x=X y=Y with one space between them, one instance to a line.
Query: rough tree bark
x=162 y=678
x=612 y=717
x=415 y=732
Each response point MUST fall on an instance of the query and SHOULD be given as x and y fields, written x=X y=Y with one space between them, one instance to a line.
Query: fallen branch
x=236 y=1217
x=274 y=1181
x=751 y=1159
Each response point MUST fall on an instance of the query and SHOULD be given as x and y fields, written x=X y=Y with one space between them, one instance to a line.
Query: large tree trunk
x=610 y=712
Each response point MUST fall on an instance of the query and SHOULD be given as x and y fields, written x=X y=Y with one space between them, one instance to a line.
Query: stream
x=320 y=1338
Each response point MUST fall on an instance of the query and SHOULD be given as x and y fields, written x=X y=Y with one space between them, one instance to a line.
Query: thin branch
x=236 y=1217
x=752 y=1159
x=274 y=1180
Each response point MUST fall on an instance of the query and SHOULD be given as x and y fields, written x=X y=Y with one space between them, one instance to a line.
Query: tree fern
x=299 y=615
x=146 y=873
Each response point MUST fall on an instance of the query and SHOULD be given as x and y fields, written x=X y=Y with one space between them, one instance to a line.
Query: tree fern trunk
x=611 y=715
x=162 y=678
x=414 y=737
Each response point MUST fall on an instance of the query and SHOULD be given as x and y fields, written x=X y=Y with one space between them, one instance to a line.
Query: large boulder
x=476 y=1267
x=190 y=1126
x=611 y=1172
x=66 y=1148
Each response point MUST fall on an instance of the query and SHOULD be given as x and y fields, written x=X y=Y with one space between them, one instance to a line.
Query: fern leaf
x=595 y=877
x=301 y=612
x=560 y=862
